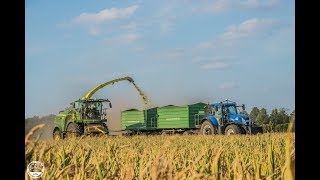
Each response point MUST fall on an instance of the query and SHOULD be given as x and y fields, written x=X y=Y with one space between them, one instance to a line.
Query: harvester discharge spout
x=94 y=90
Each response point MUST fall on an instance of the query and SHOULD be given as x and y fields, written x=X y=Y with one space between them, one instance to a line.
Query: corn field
x=265 y=156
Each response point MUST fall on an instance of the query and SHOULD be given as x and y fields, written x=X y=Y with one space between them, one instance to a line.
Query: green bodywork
x=74 y=114
x=134 y=119
x=179 y=116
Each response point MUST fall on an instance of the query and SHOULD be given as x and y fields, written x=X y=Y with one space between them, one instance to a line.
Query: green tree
x=263 y=117
x=283 y=116
x=254 y=113
x=279 y=116
x=274 y=116
x=292 y=115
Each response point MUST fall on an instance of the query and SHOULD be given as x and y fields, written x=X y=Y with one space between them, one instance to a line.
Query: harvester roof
x=92 y=100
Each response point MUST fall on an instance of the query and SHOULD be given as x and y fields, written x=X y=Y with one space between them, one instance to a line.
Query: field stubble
x=266 y=156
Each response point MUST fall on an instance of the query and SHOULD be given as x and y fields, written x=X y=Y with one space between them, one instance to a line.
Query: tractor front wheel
x=232 y=129
x=73 y=130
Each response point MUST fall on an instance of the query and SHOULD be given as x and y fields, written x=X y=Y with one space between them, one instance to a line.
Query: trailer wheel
x=164 y=133
x=207 y=128
x=232 y=129
x=73 y=130
x=57 y=135
x=186 y=133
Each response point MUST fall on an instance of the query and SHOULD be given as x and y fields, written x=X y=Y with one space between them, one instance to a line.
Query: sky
x=177 y=51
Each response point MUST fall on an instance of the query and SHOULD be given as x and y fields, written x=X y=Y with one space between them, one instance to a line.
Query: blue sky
x=178 y=52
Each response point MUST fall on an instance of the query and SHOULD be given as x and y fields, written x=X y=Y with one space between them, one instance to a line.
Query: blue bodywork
x=223 y=104
x=213 y=120
x=233 y=118
x=239 y=119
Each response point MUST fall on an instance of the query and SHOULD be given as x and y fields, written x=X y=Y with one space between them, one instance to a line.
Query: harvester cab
x=226 y=117
x=93 y=108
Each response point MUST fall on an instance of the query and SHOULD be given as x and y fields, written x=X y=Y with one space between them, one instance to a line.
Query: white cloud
x=139 y=49
x=228 y=85
x=215 y=65
x=130 y=25
x=223 y=58
x=94 y=30
x=220 y=6
x=176 y=52
x=129 y=38
x=166 y=26
x=199 y=59
x=124 y=39
x=215 y=7
x=105 y=15
x=166 y=15
x=251 y=3
x=215 y=58
x=249 y=27
x=246 y=29
x=254 y=4
x=206 y=45
x=95 y=21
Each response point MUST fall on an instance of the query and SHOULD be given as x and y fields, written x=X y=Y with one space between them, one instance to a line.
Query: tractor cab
x=92 y=108
x=228 y=112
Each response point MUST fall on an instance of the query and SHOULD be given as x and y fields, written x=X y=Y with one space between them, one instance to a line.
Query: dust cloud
x=121 y=103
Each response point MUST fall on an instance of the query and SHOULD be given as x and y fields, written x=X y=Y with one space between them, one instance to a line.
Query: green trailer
x=179 y=117
x=134 y=119
x=162 y=119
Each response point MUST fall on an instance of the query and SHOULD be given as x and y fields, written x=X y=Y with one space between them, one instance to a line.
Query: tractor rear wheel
x=232 y=129
x=207 y=128
x=57 y=135
x=73 y=130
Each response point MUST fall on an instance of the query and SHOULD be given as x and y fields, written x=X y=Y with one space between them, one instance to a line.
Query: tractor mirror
x=243 y=107
x=110 y=105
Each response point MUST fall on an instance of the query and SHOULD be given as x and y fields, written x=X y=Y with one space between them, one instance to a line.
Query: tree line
x=46 y=131
x=277 y=121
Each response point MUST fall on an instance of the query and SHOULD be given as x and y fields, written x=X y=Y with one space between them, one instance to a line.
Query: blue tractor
x=228 y=118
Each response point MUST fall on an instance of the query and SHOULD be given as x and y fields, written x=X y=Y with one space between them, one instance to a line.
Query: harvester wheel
x=73 y=130
x=207 y=128
x=57 y=135
x=232 y=129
